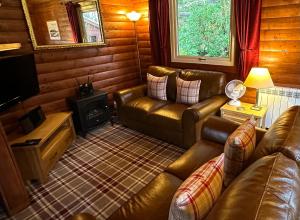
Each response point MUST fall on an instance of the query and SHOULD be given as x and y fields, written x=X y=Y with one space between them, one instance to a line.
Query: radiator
x=278 y=99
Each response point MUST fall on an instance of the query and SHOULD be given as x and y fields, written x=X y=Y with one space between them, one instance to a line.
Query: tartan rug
x=97 y=174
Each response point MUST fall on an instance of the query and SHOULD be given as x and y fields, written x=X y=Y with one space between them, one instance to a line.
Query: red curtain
x=247 y=15
x=74 y=22
x=159 y=31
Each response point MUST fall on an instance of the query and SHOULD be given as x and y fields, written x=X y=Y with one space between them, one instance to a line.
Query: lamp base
x=256 y=108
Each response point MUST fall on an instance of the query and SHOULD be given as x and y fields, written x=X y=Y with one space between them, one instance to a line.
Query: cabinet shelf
x=11 y=46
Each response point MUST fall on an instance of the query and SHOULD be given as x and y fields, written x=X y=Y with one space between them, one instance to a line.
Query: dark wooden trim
x=12 y=187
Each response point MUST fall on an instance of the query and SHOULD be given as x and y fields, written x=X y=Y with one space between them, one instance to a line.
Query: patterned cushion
x=157 y=87
x=198 y=193
x=187 y=91
x=238 y=149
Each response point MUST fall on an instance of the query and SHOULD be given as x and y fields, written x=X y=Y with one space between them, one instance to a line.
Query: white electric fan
x=235 y=89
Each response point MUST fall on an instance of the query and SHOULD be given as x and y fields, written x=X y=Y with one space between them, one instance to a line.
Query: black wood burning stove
x=89 y=112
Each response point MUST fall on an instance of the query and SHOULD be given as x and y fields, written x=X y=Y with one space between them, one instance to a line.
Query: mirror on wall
x=64 y=23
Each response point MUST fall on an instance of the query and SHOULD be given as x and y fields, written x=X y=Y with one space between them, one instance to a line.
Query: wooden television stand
x=56 y=133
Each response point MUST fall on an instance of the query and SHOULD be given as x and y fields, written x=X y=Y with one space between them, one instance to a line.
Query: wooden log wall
x=280 y=43
x=280 y=40
x=112 y=67
x=115 y=65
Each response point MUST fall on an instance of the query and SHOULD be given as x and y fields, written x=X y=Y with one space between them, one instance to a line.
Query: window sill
x=208 y=61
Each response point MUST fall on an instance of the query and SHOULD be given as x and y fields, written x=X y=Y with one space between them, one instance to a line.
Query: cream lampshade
x=258 y=78
x=133 y=16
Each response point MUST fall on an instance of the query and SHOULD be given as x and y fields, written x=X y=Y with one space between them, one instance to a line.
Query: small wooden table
x=56 y=133
x=240 y=114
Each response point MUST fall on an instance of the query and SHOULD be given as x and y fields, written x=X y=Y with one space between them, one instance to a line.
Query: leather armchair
x=175 y=123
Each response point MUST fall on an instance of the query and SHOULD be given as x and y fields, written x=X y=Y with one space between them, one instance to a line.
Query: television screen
x=18 y=79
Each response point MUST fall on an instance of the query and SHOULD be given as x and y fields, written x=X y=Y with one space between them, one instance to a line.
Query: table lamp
x=258 y=78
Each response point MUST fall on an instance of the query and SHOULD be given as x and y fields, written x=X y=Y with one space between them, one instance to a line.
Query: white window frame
x=175 y=57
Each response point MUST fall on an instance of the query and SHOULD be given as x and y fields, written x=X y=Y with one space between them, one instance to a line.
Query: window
x=201 y=32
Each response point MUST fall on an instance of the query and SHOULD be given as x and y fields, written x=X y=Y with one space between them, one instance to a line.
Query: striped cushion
x=157 y=87
x=198 y=193
x=187 y=91
x=238 y=148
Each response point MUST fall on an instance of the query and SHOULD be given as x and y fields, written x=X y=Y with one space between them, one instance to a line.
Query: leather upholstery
x=140 y=107
x=218 y=129
x=82 y=216
x=170 y=114
x=171 y=73
x=195 y=115
x=283 y=136
x=174 y=123
x=152 y=202
x=268 y=189
x=193 y=158
x=212 y=83
x=127 y=95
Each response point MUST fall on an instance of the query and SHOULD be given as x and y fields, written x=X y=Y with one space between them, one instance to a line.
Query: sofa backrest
x=212 y=83
x=283 y=136
x=268 y=189
x=171 y=73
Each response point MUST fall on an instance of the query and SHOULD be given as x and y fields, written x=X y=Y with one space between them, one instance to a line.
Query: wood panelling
x=280 y=40
x=112 y=67
x=12 y=189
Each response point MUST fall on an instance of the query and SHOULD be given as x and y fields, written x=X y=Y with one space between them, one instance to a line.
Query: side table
x=240 y=114
x=89 y=112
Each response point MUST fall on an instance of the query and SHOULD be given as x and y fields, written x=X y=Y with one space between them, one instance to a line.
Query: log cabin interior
x=113 y=109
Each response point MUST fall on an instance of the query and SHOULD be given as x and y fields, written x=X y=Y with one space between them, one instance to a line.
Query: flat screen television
x=18 y=79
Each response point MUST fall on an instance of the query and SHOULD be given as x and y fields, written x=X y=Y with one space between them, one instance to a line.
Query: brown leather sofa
x=269 y=188
x=167 y=120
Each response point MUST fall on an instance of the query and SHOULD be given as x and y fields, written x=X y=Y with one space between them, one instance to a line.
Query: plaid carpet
x=99 y=173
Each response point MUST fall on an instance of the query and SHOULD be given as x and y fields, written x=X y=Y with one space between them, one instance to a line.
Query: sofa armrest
x=126 y=95
x=194 y=116
x=200 y=153
x=218 y=129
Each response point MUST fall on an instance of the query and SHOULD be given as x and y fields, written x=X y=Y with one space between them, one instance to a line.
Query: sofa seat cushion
x=168 y=117
x=140 y=107
x=268 y=189
x=152 y=202
x=200 y=153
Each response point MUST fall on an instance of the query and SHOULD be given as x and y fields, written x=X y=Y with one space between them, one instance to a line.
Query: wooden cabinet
x=240 y=114
x=56 y=134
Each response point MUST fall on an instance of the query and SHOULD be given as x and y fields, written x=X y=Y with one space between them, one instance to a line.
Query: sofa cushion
x=268 y=189
x=198 y=193
x=171 y=73
x=212 y=83
x=201 y=152
x=238 y=149
x=283 y=136
x=157 y=87
x=152 y=202
x=140 y=107
x=168 y=117
x=187 y=91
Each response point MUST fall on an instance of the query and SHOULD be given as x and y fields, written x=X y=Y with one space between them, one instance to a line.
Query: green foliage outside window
x=204 y=28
